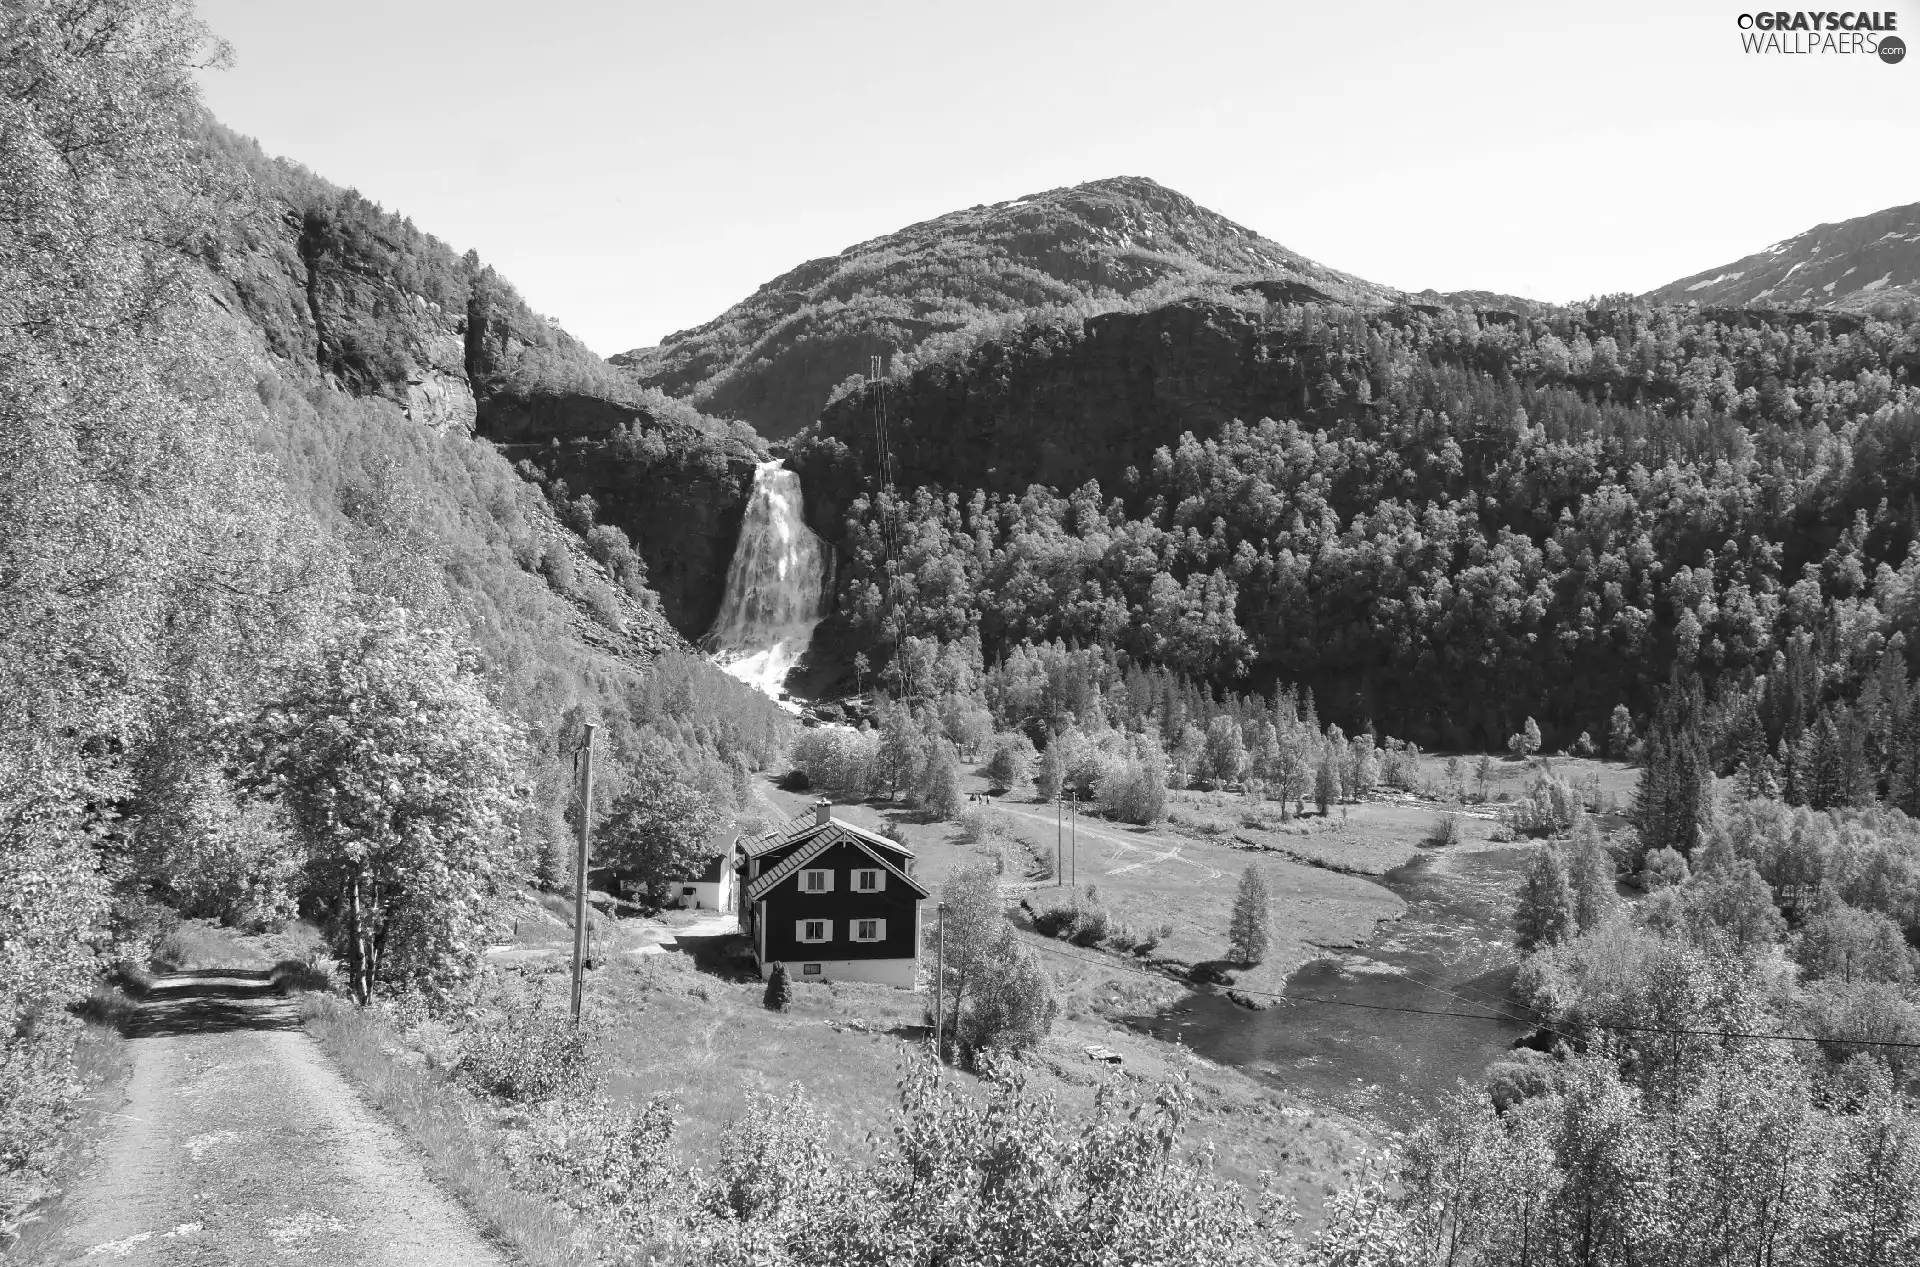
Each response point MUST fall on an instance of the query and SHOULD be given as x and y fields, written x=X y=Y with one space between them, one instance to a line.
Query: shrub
x=528 y=1054
x=1550 y=805
x=611 y=1163
x=1664 y=868
x=557 y=566
x=779 y=996
x=1090 y=926
x=1446 y=832
x=982 y=822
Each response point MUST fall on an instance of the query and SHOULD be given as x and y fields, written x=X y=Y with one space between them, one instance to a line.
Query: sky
x=636 y=168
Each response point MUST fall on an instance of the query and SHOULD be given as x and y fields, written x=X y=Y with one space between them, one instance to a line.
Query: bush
x=1082 y=919
x=1550 y=805
x=1446 y=832
x=1664 y=868
x=779 y=995
x=528 y=1054
x=557 y=566
x=982 y=822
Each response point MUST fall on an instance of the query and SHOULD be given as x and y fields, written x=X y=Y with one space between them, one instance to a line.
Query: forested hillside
x=1441 y=521
x=276 y=634
x=924 y=292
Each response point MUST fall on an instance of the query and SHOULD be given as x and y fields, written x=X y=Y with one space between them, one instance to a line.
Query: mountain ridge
x=1847 y=263
x=775 y=358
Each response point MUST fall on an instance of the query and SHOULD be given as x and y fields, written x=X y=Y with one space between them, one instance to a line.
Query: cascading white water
x=776 y=585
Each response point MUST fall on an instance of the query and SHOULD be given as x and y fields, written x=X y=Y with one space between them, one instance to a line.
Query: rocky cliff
x=354 y=298
x=775 y=358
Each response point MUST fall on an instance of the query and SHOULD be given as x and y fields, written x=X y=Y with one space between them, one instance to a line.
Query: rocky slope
x=775 y=358
x=1850 y=264
x=356 y=299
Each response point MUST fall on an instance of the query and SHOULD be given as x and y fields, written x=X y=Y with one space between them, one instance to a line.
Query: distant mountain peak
x=1849 y=264
x=775 y=358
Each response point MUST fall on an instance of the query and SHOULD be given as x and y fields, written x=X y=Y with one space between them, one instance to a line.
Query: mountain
x=356 y=299
x=1850 y=264
x=937 y=287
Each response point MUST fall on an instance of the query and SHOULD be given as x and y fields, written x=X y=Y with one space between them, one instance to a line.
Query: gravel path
x=240 y=1143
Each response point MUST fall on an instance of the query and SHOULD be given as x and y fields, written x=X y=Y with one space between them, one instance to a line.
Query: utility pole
x=1073 y=835
x=1059 y=841
x=939 y=983
x=580 y=871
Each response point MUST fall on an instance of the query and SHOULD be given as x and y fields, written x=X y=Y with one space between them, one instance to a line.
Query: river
x=1450 y=952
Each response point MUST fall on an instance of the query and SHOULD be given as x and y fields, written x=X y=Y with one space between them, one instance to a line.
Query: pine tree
x=1530 y=738
x=1250 y=929
x=779 y=995
x=1546 y=914
x=1673 y=804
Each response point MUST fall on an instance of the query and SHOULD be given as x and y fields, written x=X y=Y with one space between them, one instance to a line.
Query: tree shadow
x=210 y=1001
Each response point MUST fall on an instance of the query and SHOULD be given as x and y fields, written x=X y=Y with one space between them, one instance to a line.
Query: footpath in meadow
x=239 y=1143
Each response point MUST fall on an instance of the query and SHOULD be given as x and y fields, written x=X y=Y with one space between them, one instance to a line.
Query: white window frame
x=879 y=926
x=879 y=875
x=826 y=883
x=800 y=931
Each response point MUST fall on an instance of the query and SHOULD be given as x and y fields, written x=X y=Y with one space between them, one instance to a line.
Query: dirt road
x=240 y=1143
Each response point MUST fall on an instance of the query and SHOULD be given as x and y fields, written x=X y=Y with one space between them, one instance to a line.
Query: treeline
x=266 y=647
x=1458 y=520
x=1096 y=724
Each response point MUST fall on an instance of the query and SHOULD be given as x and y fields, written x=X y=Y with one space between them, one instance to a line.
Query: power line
x=1484 y=1016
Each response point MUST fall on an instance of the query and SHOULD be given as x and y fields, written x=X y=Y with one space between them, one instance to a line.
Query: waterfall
x=776 y=585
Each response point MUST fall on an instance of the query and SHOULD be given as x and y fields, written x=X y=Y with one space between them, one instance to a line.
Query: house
x=709 y=889
x=832 y=901
x=712 y=889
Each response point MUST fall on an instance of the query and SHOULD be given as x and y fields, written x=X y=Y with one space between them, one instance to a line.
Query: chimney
x=822 y=812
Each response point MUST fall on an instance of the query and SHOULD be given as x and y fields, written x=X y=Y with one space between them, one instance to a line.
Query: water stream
x=1451 y=952
x=776 y=585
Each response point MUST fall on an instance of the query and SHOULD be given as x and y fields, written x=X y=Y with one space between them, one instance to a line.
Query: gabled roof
x=817 y=841
x=798 y=828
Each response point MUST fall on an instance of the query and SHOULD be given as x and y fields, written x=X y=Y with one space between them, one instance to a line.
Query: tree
x=1545 y=914
x=1250 y=930
x=779 y=995
x=1052 y=773
x=1843 y=943
x=1223 y=757
x=1011 y=762
x=660 y=830
x=398 y=774
x=1673 y=802
x=1590 y=874
x=994 y=993
x=1619 y=733
x=938 y=790
x=1326 y=782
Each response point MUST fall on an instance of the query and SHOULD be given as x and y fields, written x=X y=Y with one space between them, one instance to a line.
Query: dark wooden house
x=832 y=901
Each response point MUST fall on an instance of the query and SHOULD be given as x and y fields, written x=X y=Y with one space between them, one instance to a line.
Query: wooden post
x=1073 y=836
x=580 y=872
x=1059 y=839
x=939 y=983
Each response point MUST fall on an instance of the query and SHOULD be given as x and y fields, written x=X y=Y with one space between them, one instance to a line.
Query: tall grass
x=450 y=1129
